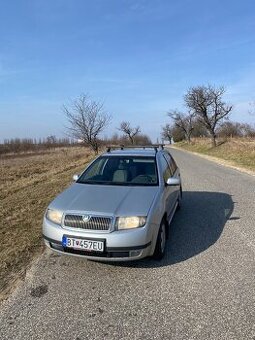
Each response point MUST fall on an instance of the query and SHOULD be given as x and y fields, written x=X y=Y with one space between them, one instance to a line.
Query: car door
x=168 y=190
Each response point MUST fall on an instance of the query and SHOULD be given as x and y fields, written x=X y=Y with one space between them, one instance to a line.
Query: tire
x=160 y=247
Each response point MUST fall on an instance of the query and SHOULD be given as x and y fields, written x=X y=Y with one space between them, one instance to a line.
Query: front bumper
x=125 y=245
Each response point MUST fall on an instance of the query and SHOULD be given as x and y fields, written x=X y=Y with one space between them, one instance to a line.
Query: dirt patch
x=39 y=291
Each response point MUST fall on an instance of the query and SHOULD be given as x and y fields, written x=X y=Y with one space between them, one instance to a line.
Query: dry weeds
x=239 y=152
x=27 y=185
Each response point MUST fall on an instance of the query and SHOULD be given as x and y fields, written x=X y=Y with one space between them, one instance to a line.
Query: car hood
x=104 y=199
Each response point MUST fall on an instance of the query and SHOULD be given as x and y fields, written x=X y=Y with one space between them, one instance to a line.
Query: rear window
x=121 y=170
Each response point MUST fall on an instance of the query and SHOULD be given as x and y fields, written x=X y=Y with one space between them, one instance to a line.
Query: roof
x=148 y=151
x=131 y=152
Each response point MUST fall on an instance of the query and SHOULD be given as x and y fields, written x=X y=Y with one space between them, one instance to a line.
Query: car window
x=165 y=168
x=171 y=162
x=97 y=169
x=121 y=170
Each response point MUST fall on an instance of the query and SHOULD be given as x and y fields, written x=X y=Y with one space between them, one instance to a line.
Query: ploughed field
x=27 y=184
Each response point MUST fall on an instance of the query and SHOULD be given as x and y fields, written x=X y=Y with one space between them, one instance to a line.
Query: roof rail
x=122 y=147
x=113 y=147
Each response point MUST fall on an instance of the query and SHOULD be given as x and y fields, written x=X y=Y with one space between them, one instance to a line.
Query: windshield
x=121 y=170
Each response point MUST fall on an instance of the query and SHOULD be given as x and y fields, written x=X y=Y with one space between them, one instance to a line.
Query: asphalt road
x=203 y=289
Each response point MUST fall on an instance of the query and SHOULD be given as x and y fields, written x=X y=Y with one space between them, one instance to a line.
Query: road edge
x=219 y=161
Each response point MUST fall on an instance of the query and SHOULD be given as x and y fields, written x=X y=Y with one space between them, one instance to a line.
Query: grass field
x=27 y=184
x=239 y=152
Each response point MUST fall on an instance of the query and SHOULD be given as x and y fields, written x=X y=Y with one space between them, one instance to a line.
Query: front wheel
x=160 y=247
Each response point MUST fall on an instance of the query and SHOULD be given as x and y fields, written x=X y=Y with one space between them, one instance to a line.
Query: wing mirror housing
x=75 y=177
x=172 y=181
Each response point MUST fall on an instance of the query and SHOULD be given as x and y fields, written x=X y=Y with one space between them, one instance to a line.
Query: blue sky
x=137 y=56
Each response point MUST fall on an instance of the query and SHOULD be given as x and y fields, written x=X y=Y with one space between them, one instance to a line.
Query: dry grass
x=27 y=185
x=238 y=151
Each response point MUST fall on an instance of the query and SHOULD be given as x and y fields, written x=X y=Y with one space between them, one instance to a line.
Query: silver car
x=119 y=208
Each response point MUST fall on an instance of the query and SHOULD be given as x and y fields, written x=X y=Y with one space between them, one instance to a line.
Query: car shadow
x=194 y=228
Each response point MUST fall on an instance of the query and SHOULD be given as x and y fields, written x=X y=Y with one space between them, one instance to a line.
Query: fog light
x=133 y=253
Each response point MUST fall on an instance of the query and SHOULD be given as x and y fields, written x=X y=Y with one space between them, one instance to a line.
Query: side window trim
x=171 y=171
x=173 y=163
x=164 y=167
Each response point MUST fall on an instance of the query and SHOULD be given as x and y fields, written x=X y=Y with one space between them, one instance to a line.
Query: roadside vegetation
x=207 y=115
x=27 y=185
x=19 y=146
x=238 y=151
x=205 y=127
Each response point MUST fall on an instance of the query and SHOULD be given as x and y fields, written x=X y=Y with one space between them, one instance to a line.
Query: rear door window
x=165 y=168
x=170 y=162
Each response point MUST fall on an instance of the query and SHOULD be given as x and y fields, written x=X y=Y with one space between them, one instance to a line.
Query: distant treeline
x=115 y=139
x=225 y=130
x=18 y=145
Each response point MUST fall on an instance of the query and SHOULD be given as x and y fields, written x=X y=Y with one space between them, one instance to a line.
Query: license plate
x=82 y=244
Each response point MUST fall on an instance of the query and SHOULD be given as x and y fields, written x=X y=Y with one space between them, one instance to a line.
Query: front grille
x=94 y=223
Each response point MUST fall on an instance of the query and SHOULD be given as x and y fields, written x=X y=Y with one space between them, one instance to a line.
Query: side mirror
x=173 y=181
x=75 y=177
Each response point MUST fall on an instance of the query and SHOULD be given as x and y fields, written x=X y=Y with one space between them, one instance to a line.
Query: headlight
x=54 y=216
x=130 y=222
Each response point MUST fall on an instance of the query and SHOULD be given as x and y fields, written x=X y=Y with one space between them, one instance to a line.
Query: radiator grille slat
x=94 y=223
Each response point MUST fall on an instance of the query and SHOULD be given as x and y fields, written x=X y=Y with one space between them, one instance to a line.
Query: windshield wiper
x=91 y=182
x=127 y=184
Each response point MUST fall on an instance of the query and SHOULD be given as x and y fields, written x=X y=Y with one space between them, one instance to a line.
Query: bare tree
x=51 y=139
x=178 y=134
x=230 y=129
x=142 y=139
x=87 y=119
x=207 y=104
x=167 y=133
x=184 y=122
x=199 y=129
x=236 y=129
x=129 y=131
